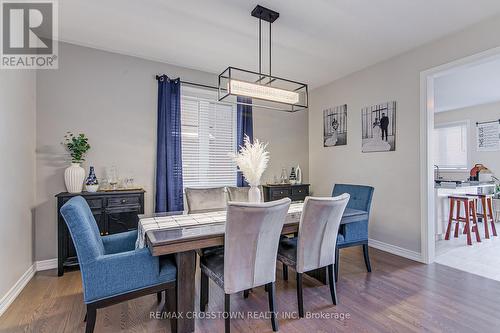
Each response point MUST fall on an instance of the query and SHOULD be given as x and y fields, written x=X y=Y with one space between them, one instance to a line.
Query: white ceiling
x=314 y=41
x=473 y=85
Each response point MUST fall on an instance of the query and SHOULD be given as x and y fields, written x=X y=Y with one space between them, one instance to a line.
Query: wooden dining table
x=182 y=234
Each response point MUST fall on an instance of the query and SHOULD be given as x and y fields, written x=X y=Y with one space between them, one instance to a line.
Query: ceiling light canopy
x=274 y=92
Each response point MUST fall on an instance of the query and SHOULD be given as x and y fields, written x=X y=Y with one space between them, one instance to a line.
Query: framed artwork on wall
x=378 y=127
x=335 y=126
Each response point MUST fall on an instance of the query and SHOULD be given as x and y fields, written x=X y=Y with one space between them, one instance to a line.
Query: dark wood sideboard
x=114 y=212
x=297 y=192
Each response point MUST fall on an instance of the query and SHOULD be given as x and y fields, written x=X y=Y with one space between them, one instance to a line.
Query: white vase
x=298 y=175
x=74 y=177
x=254 y=194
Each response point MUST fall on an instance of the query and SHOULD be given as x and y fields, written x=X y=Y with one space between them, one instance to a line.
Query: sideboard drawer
x=297 y=192
x=300 y=191
x=279 y=193
x=93 y=203
x=124 y=201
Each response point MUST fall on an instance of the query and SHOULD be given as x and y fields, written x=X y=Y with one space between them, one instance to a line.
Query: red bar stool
x=487 y=214
x=470 y=213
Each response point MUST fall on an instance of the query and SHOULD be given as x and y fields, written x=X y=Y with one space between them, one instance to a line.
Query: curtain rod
x=487 y=122
x=157 y=77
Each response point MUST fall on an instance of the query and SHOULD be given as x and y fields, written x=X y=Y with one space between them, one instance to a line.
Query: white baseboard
x=11 y=295
x=44 y=265
x=393 y=249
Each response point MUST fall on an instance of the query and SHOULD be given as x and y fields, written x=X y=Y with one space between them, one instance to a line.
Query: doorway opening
x=456 y=99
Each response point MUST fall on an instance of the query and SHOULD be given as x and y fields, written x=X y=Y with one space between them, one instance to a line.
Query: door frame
x=427 y=77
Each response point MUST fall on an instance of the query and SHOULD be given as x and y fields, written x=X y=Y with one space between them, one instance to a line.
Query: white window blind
x=208 y=137
x=450 y=149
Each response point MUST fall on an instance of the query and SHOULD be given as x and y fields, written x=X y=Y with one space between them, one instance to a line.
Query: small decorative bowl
x=91 y=188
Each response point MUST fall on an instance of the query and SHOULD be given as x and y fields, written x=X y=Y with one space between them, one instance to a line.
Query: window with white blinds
x=450 y=148
x=208 y=139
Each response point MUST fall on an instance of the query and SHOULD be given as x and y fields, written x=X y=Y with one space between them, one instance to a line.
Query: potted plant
x=74 y=175
x=252 y=161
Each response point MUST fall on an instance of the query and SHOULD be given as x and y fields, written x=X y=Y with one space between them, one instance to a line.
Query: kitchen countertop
x=463 y=185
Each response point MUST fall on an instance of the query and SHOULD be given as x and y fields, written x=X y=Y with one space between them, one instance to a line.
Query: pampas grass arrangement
x=252 y=160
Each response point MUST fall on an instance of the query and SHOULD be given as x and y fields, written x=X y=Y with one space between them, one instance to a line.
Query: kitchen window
x=451 y=146
x=208 y=138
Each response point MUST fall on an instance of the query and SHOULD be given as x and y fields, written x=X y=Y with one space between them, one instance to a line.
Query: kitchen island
x=444 y=190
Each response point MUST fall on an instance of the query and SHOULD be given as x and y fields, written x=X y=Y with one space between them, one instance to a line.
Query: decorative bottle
x=292 y=177
x=298 y=175
x=91 y=183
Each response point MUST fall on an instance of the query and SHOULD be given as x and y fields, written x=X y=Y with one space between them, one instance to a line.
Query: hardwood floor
x=398 y=296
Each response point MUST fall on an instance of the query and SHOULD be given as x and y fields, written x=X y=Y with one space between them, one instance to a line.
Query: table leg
x=186 y=272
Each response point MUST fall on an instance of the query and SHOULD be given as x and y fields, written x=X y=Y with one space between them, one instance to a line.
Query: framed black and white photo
x=378 y=127
x=335 y=126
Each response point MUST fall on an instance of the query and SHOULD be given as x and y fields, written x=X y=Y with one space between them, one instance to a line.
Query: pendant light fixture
x=272 y=92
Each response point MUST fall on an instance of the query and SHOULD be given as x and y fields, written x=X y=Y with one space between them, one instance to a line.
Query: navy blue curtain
x=244 y=126
x=169 y=191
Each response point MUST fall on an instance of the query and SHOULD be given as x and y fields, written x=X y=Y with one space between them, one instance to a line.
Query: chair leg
x=158 y=296
x=300 y=301
x=475 y=227
x=227 y=313
x=457 y=224
x=91 y=317
x=450 y=220
x=285 y=272
x=485 y=218
x=203 y=292
x=367 y=258
x=490 y=210
x=272 y=305
x=246 y=292
x=468 y=223
x=171 y=307
x=337 y=264
x=266 y=288
x=331 y=281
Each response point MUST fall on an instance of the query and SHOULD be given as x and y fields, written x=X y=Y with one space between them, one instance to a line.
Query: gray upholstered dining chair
x=314 y=247
x=202 y=200
x=240 y=194
x=249 y=260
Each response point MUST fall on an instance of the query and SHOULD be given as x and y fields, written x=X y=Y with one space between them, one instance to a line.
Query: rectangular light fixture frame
x=266 y=91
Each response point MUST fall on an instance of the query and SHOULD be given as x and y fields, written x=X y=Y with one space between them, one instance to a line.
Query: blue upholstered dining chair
x=112 y=269
x=353 y=234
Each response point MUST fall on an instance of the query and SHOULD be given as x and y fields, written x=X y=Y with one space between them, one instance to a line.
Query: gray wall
x=395 y=175
x=17 y=174
x=112 y=99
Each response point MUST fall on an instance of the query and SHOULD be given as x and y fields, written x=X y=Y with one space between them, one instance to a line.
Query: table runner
x=188 y=220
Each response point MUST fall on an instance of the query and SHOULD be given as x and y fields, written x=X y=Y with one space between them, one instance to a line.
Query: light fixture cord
x=260 y=47
x=270 y=51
